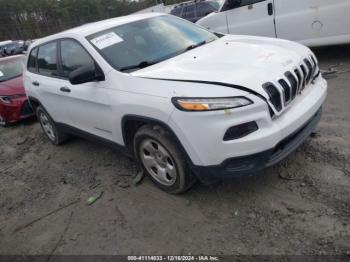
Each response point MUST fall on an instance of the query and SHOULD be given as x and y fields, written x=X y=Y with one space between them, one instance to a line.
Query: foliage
x=30 y=19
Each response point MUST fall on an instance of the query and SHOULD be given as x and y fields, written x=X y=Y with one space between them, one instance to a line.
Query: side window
x=32 y=62
x=47 y=59
x=188 y=11
x=176 y=11
x=73 y=56
x=232 y=4
x=255 y=1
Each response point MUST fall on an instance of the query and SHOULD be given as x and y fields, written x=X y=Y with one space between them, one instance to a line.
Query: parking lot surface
x=301 y=206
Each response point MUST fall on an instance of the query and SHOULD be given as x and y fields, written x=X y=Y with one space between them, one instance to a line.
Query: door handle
x=270 y=8
x=65 y=89
x=36 y=83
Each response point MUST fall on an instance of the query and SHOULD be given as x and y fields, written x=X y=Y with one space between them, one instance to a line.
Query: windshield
x=146 y=42
x=217 y=4
x=11 y=68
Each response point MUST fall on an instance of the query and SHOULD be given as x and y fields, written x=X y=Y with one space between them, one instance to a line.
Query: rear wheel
x=162 y=159
x=49 y=127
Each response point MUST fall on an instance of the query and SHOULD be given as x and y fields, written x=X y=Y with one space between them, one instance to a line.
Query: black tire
x=184 y=177
x=57 y=137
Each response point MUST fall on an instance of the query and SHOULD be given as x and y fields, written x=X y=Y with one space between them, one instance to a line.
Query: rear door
x=44 y=82
x=250 y=17
x=317 y=21
x=292 y=14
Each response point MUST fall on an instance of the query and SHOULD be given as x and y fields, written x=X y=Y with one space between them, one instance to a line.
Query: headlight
x=209 y=104
x=5 y=99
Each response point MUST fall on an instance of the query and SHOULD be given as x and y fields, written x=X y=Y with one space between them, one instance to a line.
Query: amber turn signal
x=210 y=104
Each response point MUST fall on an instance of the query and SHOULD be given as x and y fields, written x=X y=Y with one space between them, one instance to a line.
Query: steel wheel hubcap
x=158 y=162
x=47 y=126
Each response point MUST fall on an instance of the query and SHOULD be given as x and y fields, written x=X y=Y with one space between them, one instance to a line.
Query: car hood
x=13 y=86
x=236 y=60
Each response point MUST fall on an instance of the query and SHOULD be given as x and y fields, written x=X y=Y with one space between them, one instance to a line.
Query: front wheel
x=162 y=159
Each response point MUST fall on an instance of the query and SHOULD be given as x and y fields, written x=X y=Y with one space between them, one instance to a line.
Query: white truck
x=310 y=22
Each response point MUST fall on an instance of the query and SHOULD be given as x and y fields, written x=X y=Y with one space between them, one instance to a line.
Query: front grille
x=290 y=86
x=26 y=109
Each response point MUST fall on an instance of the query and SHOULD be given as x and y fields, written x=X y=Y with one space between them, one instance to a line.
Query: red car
x=14 y=105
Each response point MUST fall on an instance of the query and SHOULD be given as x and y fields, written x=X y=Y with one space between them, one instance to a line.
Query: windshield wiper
x=140 y=65
x=190 y=47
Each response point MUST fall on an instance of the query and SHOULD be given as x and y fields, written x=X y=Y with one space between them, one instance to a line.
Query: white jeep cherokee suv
x=187 y=103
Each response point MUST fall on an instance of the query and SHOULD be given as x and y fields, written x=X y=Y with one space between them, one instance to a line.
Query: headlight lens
x=210 y=104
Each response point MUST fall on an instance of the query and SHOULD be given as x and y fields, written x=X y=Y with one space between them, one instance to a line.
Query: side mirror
x=85 y=74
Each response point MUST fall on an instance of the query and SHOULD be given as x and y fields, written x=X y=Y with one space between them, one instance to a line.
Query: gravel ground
x=301 y=206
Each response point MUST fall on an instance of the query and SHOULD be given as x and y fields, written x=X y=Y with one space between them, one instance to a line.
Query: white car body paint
x=99 y=107
x=310 y=22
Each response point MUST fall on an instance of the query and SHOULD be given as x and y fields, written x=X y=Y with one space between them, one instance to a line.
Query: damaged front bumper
x=248 y=165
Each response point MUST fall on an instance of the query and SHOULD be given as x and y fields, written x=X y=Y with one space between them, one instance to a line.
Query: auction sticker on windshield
x=1 y=74
x=106 y=40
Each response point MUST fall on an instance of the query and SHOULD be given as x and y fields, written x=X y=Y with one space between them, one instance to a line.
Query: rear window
x=47 y=59
x=188 y=11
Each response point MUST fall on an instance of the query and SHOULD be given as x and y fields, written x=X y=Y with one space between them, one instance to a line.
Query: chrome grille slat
x=314 y=66
x=303 y=69
x=314 y=60
x=298 y=75
x=309 y=73
x=293 y=83
x=274 y=95
x=286 y=90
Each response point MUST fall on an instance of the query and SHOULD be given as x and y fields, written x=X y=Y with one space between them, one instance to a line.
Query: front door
x=250 y=17
x=87 y=104
x=313 y=22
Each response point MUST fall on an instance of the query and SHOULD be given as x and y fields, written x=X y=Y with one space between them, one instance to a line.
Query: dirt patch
x=301 y=206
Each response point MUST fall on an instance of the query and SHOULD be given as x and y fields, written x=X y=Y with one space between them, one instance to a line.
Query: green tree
x=30 y=19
